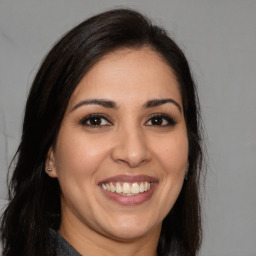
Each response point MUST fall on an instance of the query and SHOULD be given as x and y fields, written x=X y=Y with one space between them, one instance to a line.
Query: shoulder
x=59 y=246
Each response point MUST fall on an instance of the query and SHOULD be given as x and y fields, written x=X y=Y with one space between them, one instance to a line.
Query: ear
x=50 y=167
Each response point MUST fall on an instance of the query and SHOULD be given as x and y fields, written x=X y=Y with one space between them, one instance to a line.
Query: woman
x=110 y=154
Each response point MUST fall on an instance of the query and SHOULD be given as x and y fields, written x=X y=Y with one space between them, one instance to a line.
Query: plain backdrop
x=219 y=39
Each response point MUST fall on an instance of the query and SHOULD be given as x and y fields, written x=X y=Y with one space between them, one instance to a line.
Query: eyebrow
x=158 y=102
x=100 y=102
x=111 y=104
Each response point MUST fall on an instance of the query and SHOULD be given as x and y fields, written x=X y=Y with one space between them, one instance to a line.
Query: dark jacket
x=60 y=247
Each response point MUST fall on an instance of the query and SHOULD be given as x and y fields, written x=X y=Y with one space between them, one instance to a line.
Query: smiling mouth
x=126 y=188
x=129 y=190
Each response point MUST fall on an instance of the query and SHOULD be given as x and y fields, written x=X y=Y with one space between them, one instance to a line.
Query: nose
x=131 y=148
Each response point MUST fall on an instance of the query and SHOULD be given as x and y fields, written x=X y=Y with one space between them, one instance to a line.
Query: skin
x=127 y=141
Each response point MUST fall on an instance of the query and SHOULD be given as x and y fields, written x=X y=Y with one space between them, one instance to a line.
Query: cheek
x=77 y=155
x=173 y=154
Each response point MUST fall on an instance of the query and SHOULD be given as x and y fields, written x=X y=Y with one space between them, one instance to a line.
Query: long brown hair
x=34 y=197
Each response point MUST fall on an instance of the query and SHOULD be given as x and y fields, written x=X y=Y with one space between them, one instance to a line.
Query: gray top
x=60 y=247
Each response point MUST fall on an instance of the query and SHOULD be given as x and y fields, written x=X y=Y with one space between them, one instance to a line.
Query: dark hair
x=34 y=197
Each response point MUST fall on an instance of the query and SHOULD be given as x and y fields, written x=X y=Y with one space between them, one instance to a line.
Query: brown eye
x=157 y=121
x=161 y=120
x=95 y=121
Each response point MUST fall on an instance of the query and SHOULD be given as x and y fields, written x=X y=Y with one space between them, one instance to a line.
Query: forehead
x=129 y=73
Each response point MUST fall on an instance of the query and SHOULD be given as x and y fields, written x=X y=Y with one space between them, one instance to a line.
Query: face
x=122 y=149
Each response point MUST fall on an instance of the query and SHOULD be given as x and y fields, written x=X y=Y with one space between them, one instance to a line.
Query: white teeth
x=127 y=189
x=142 y=189
x=112 y=187
x=135 y=189
x=118 y=188
x=145 y=186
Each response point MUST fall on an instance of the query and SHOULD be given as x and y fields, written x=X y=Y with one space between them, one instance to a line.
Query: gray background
x=219 y=39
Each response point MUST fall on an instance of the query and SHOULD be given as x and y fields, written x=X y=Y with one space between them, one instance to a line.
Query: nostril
x=133 y=160
x=131 y=150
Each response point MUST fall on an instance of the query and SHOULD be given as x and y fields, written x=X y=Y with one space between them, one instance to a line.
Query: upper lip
x=130 y=178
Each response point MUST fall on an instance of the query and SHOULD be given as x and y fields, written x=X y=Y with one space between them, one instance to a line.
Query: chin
x=128 y=235
x=127 y=231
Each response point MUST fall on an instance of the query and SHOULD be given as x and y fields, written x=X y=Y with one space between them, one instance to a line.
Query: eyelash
x=170 y=121
x=163 y=118
x=95 y=116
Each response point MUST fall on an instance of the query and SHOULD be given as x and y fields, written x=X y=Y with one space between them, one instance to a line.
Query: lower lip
x=130 y=200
